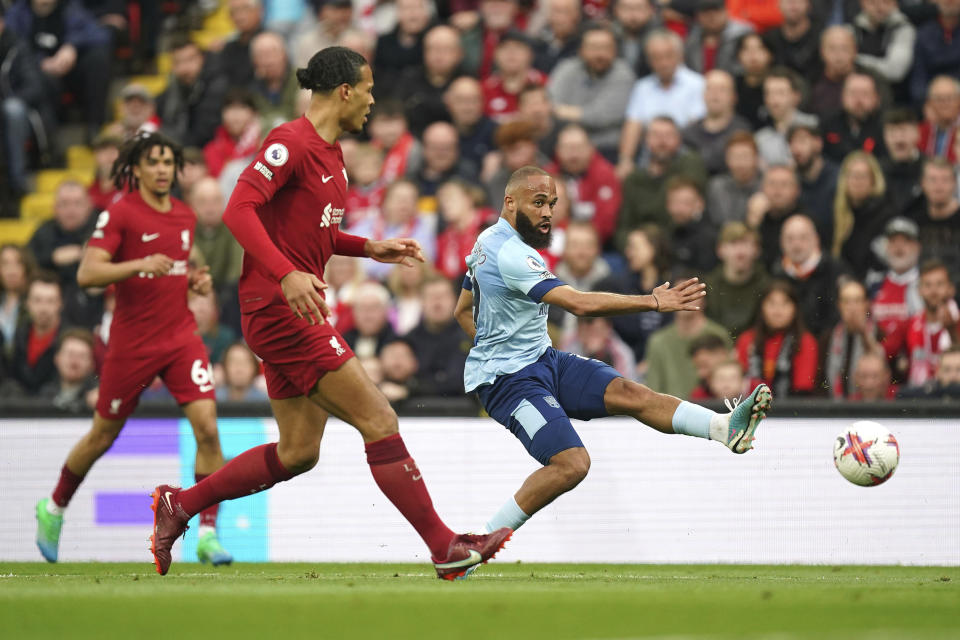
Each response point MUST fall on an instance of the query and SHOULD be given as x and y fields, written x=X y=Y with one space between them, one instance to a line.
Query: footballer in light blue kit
x=531 y=388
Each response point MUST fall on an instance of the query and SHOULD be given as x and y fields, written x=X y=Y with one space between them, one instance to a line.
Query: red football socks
x=66 y=487
x=397 y=475
x=250 y=472
x=208 y=517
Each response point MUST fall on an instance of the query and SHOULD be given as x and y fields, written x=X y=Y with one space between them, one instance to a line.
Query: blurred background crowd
x=800 y=156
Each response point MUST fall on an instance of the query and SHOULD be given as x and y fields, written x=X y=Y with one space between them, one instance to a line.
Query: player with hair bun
x=286 y=212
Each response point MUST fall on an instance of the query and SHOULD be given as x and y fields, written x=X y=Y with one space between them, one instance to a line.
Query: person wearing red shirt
x=286 y=212
x=762 y=14
x=481 y=37
x=462 y=220
x=34 y=340
x=778 y=350
x=707 y=352
x=938 y=131
x=936 y=328
x=390 y=134
x=591 y=181
x=365 y=193
x=238 y=135
x=895 y=299
x=102 y=191
x=514 y=72
x=141 y=245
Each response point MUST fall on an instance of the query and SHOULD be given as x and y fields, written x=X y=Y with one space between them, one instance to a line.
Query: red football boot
x=469 y=550
x=169 y=523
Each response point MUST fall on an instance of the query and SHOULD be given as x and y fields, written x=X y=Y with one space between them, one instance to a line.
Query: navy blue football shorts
x=537 y=402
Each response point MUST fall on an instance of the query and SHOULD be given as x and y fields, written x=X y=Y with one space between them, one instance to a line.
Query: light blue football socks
x=692 y=420
x=509 y=515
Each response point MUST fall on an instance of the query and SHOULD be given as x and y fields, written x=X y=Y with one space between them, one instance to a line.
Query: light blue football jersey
x=508 y=279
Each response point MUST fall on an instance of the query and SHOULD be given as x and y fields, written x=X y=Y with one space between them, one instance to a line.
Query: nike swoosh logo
x=326 y=179
x=166 y=496
x=147 y=237
x=475 y=558
x=206 y=387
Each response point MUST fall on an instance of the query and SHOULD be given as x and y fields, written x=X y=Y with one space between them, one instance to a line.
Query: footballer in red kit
x=141 y=245
x=298 y=188
x=152 y=332
x=286 y=212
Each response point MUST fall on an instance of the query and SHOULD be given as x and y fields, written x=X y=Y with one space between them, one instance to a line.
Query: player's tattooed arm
x=97 y=270
x=464 y=313
x=685 y=296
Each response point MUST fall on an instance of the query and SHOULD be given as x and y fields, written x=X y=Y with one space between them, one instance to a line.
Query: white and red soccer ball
x=866 y=453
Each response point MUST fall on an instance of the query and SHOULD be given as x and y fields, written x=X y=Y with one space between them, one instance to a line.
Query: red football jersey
x=303 y=182
x=151 y=312
x=501 y=105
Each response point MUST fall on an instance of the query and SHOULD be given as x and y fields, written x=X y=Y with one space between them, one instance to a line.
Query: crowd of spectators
x=799 y=156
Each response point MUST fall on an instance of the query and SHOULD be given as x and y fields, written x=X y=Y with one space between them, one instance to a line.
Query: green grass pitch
x=523 y=601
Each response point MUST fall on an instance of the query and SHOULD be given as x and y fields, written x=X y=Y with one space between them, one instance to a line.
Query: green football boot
x=48 y=531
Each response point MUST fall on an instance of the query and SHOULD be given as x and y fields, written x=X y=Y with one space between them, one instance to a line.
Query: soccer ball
x=866 y=454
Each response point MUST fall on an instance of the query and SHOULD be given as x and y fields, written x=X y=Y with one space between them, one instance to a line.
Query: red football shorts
x=184 y=369
x=295 y=353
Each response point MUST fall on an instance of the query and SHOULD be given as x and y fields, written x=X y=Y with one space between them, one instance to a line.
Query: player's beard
x=531 y=234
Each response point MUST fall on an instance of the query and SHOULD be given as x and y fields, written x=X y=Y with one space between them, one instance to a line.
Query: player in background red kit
x=285 y=211
x=142 y=244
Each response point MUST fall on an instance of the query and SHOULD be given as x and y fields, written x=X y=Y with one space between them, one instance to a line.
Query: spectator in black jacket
x=634 y=20
x=402 y=47
x=861 y=213
x=858 y=125
x=560 y=38
x=57 y=246
x=73 y=51
x=464 y=101
x=35 y=341
x=693 y=239
x=937 y=50
x=112 y=16
x=903 y=165
x=796 y=42
x=767 y=210
x=371 y=329
x=189 y=108
x=247 y=17
x=818 y=175
x=812 y=273
x=21 y=89
x=937 y=214
x=70 y=389
x=421 y=88
x=439 y=343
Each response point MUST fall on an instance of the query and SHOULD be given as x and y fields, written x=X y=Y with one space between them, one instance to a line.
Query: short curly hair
x=331 y=67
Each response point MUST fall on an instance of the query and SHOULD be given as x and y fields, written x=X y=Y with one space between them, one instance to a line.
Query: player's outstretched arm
x=96 y=269
x=396 y=250
x=464 y=313
x=685 y=296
